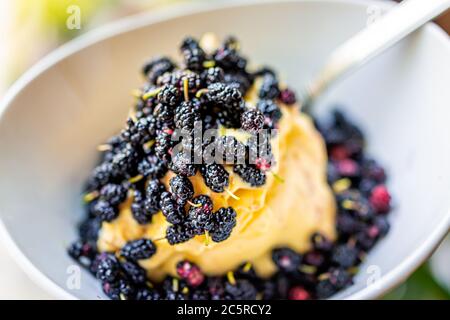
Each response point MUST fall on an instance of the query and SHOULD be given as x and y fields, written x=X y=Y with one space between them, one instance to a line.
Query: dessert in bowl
x=62 y=161
x=189 y=200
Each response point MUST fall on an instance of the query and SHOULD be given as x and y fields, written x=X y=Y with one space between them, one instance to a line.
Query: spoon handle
x=374 y=39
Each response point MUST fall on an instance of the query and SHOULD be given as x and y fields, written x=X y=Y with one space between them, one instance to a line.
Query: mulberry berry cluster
x=209 y=89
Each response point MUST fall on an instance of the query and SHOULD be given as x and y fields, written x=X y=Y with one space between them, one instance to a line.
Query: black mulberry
x=215 y=177
x=200 y=216
x=182 y=189
x=252 y=120
x=170 y=209
x=250 y=174
x=193 y=54
x=186 y=114
x=138 y=249
x=224 y=222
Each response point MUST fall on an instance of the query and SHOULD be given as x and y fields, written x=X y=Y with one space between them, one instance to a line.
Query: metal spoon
x=371 y=41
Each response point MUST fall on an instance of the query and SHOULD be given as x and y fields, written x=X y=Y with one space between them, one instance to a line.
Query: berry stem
x=247 y=267
x=195 y=205
x=209 y=64
x=136 y=178
x=186 y=89
x=323 y=276
x=230 y=277
x=341 y=185
x=88 y=197
x=201 y=92
x=235 y=197
x=277 y=177
x=353 y=270
x=185 y=290
x=148 y=144
x=104 y=147
x=308 y=269
x=175 y=284
x=159 y=239
x=207 y=238
x=151 y=94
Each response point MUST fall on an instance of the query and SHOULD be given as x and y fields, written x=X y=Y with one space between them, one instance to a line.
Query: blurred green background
x=32 y=28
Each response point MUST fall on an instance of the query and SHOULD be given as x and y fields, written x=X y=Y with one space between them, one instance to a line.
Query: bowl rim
x=115 y=28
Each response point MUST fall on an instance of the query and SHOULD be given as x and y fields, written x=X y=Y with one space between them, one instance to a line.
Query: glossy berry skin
x=227 y=56
x=239 y=80
x=105 y=211
x=229 y=101
x=344 y=256
x=82 y=252
x=157 y=67
x=269 y=87
x=270 y=109
x=201 y=218
x=138 y=132
x=138 y=249
x=114 y=194
x=182 y=165
x=287 y=96
x=241 y=290
x=348 y=168
x=212 y=75
x=169 y=95
x=286 y=259
x=182 y=189
x=193 y=54
x=170 y=209
x=101 y=175
x=178 y=233
x=134 y=272
x=215 y=177
x=163 y=146
x=122 y=289
x=299 y=293
x=146 y=294
x=339 y=277
x=224 y=222
x=191 y=273
x=179 y=77
x=200 y=295
x=252 y=120
x=186 y=114
x=231 y=149
x=125 y=161
x=88 y=229
x=259 y=147
x=152 y=167
x=380 y=199
x=324 y=289
x=223 y=94
x=250 y=174
x=138 y=210
x=163 y=115
x=153 y=195
x=106 y=267
x=353 y=202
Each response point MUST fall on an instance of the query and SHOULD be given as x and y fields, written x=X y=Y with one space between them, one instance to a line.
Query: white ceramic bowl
x=76 y=97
